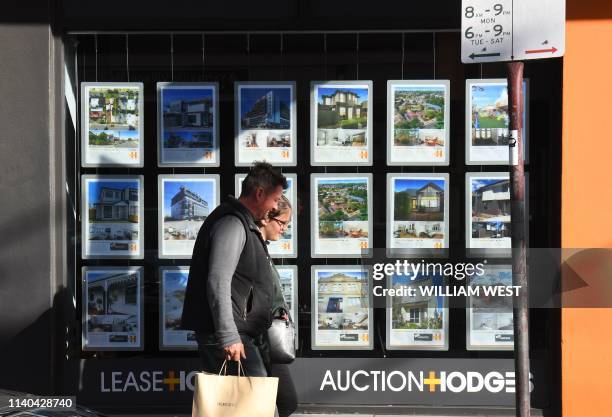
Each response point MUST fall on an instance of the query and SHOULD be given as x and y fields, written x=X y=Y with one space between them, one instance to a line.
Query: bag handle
x=224 y=368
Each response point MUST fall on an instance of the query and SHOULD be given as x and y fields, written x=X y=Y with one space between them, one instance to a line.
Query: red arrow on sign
x=541 y=51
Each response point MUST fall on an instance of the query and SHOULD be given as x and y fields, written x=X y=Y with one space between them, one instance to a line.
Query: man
x=229 y=293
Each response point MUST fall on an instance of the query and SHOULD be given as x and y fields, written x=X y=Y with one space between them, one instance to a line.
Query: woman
x=272 y=227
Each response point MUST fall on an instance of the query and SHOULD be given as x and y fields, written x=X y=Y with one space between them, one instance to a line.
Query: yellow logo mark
x=171 y=381
x=432 y=381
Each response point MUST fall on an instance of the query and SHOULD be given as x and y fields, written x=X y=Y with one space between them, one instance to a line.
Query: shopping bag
x=222 y=395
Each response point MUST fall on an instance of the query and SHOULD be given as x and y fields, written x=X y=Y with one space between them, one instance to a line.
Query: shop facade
x=54 y=260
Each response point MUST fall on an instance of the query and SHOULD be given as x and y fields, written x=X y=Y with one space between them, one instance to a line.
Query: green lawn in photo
x=358 y=123
x=491 y=123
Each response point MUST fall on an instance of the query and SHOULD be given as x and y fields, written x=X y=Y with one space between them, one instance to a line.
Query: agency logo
x=147 y=381
x=421 y=381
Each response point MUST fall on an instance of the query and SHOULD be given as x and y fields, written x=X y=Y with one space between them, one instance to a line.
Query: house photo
x=187 y=108
x=419 y=311
x=491 y=200
x=113 y=202
x=418 y=199
x=340 y=292
x=111 y=294
x=342 y=108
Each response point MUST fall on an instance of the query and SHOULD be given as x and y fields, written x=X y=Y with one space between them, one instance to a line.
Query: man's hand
x=234 y=352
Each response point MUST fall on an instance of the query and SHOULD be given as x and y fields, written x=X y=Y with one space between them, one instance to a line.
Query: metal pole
x=519 y=251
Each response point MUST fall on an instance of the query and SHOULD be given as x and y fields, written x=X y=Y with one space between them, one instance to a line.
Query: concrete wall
x=27 y=207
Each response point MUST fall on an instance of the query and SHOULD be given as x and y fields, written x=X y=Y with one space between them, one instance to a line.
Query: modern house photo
x=418 y=200
x=342 y=108
x=187 y=109
x=114 y=202
x=490 y=200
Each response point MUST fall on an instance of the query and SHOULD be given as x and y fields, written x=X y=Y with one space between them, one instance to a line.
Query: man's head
x=262 y=189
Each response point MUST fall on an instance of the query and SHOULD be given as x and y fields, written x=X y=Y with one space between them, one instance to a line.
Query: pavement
x=394 y=412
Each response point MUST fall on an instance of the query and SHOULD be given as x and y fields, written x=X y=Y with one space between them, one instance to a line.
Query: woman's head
x=277 y=221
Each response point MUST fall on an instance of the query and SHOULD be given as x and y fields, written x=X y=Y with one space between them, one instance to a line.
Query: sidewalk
x=389 y=411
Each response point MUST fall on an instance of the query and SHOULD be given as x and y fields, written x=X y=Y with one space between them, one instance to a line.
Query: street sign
x=512 y=30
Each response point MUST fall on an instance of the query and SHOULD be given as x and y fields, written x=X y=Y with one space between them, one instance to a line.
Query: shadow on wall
x=28 y=361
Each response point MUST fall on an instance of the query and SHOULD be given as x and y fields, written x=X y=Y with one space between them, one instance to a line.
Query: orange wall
x=587 y=172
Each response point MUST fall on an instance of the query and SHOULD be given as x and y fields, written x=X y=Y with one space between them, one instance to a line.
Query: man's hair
x=284 y=205
x=263 y=175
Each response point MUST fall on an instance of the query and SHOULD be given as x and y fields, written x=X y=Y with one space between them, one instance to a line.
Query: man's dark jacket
x=252 y=283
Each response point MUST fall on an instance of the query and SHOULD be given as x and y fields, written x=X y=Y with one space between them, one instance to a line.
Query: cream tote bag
x=217 y=395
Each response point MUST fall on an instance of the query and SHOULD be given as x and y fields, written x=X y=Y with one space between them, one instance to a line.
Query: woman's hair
x=283 y=206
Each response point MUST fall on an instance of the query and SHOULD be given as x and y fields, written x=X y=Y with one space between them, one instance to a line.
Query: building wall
x=587 y=149
x=26 y=223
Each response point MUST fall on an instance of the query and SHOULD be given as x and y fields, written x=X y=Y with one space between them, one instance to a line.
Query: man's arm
x=228 y=238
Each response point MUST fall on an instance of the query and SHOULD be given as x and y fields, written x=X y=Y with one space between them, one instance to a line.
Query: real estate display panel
x=112 y=213
x=286 y=246
x=341 y=123
x=265 y=123
x=487 y=122
x=418 y=322
x=288 y=275
x=173 y=282
x=341 y=306
x=489 y=319
x=112 y=308
x=417 y=213
x=341 y=205
x=112 y=124
x=185 y=201
x=418 y=122
x=188 y=124
x=488 y=221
